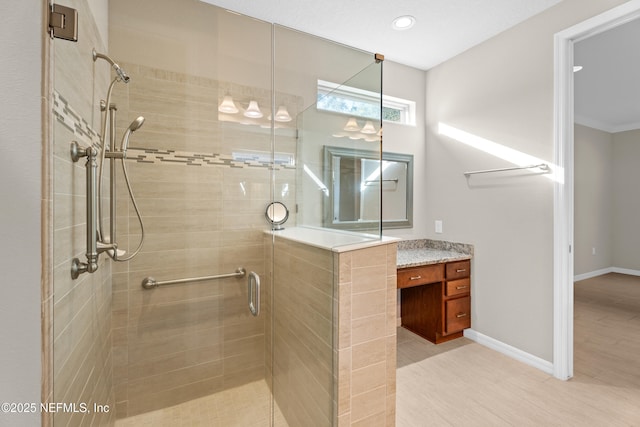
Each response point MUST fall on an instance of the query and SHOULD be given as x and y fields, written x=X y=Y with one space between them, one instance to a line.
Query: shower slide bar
x=150 y=282
x=542 y=166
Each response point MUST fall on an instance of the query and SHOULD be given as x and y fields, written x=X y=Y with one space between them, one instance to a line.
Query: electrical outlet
x=593 y=251
x=438 y=226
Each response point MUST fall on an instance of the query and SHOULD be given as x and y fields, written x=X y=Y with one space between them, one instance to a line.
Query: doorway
x=564 y=191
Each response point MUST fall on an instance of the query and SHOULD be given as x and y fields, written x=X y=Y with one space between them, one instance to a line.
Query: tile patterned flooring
x=246 y=405
x=461 y=383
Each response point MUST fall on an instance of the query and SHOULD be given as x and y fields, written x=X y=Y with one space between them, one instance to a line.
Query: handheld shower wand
x=119 y=71
x=117 y=255
x=134 y=126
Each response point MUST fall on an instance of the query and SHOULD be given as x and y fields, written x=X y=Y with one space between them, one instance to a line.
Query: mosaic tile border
x=152 y=155
x=68 y=117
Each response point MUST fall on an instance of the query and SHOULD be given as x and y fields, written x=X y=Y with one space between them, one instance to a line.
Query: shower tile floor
x=246 y=405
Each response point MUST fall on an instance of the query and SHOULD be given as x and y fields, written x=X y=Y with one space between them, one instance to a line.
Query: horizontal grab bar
x=150 y=282
x=542 y=166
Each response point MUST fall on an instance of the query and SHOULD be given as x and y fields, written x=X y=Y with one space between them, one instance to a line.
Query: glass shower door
x=200 y=174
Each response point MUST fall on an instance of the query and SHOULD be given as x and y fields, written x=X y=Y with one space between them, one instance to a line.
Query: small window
x=352 y=101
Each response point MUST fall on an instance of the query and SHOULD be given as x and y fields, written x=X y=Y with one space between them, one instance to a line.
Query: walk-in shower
x=214 y=317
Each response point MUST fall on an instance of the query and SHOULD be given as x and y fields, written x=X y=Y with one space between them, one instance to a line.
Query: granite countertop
x=413 y=253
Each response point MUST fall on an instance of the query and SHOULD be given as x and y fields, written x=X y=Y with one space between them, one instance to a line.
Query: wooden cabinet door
x=457 y=314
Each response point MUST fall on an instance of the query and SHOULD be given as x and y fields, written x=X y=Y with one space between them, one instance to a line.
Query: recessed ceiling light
x=403 y=22
x=577 y=68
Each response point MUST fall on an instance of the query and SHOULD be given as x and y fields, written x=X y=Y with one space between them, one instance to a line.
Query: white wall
x=501 y=90
x=20 y=175
x=408 y=83
x=593 y=199
x=626 y=205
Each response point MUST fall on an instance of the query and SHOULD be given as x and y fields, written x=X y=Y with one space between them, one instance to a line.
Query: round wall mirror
x=277 y=214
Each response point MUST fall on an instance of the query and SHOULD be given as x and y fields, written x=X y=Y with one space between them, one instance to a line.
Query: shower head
x=134 y=126
x=119 y=71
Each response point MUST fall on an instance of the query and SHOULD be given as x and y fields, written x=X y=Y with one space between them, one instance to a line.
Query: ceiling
x=607 y=89
x=443 y=28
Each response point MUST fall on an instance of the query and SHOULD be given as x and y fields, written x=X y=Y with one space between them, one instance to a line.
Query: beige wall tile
x=368 y=279
x=368 y=304
x=367 y=404
x=368 y=328
x=369 y=353
x=368 y=378
x=369 y=257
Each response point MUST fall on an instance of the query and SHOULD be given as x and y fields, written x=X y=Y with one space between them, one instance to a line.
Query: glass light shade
x=228 y=106
x=368 y=128
x=352 y=125
x=253 y=111
x=282 y=115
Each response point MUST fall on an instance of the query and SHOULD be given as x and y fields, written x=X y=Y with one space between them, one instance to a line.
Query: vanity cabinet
x=436 y=299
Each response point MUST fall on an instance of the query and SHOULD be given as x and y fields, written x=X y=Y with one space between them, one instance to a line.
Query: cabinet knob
x=461 y=315
x=415 y=277
x=461 y=287
x=461 y=270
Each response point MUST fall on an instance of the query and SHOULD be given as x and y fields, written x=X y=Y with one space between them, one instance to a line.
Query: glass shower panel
x=340 y=152
x=200 y=175
x=201 y=76
x=303 y=294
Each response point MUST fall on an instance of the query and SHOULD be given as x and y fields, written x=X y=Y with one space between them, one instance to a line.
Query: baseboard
x=510 y=351
x=626 y=271
x=607 y=270
x=592 y=274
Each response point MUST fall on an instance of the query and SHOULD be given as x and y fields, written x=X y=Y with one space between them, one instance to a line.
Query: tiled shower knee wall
x=80 y=324
x=357 y=289
x=366 y=338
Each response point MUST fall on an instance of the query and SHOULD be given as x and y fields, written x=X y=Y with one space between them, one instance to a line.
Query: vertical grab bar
x=91 y=153
x=253 y=284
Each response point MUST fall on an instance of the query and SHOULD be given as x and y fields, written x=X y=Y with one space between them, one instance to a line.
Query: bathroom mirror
x=277 y=214
x=355 y=178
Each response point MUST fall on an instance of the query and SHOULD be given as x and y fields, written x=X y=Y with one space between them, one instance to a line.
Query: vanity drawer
x=423 y=275
x=458 y=269
x=457 y=287
x=457 y=315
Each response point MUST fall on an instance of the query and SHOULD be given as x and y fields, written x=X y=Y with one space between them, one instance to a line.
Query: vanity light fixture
x=368 y=128
x=227 y=105
x=577 y=68
x=352 y=125
x=253 y=111
x=403 y=22
x=282 y=115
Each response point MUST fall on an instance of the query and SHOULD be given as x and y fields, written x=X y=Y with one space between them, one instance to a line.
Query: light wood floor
x=462 y=383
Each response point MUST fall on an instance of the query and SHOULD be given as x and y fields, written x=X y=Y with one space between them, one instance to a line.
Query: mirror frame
x=333 y=151
x=276 y=225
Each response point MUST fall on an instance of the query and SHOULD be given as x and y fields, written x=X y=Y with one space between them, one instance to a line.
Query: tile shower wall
x=203 y=211
x=81 y=330
x=303 y=333
x=334 y=334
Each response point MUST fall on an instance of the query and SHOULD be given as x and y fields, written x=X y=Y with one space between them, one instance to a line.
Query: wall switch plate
x=438 y=226
x=593 y=251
